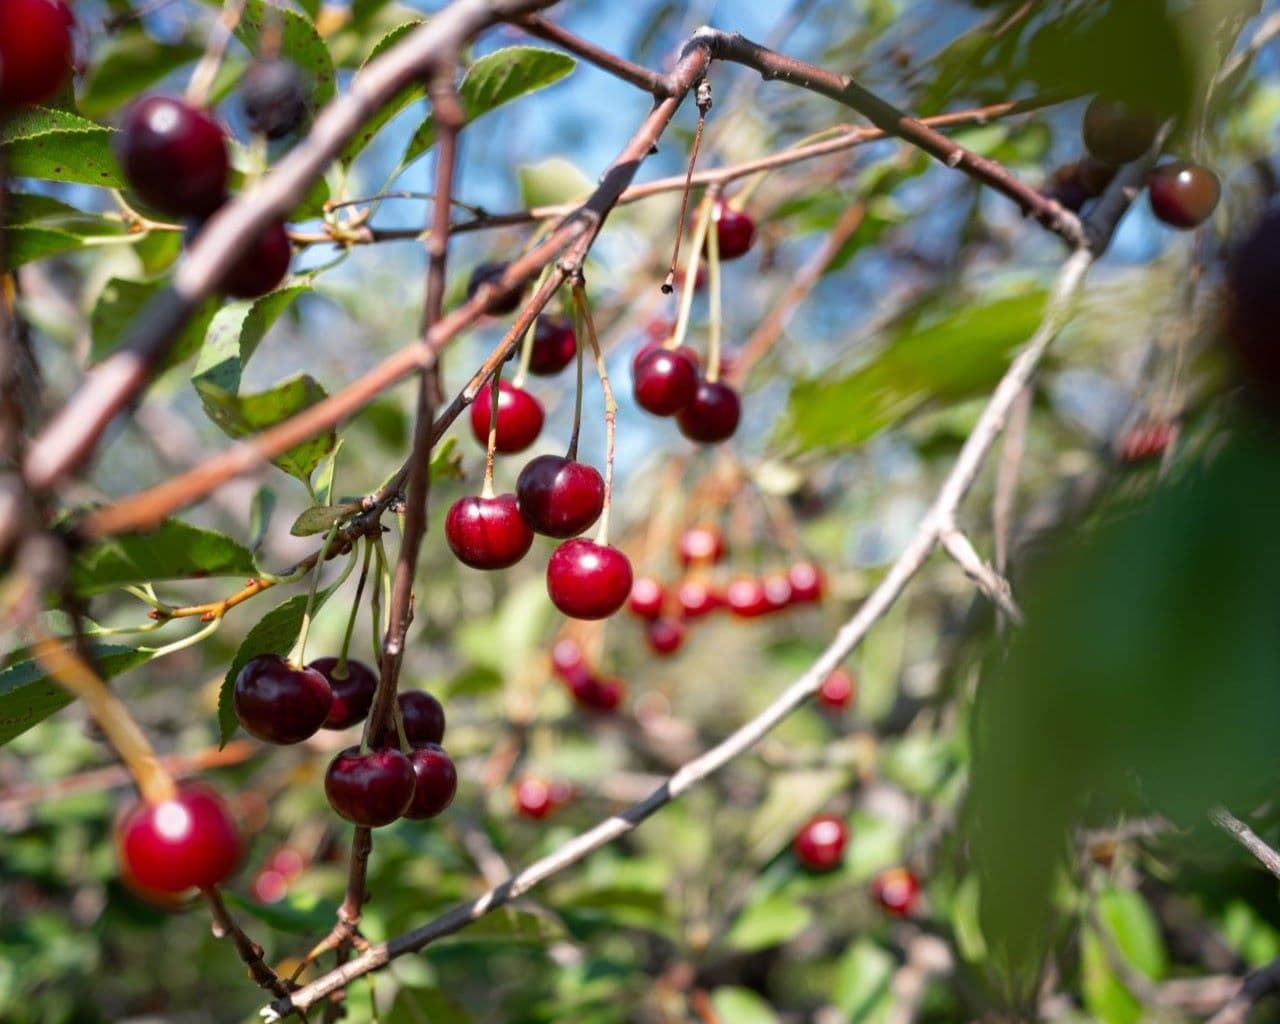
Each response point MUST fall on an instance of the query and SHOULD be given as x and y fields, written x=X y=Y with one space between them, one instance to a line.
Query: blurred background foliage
x=994 y=763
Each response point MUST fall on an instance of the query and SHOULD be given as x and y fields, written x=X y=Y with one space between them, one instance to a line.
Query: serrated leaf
x=319 y=518
x=296 y=913
x=129 y=62
x=742 y=1006
x=406 y=96
x=275 y=633
x=121 y=302
x=770 y=922
x=28 y=696
x=56 y=145
x=235 y=333
x=172 y=551
x=297 y=39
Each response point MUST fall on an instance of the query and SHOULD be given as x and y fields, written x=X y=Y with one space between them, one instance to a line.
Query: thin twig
x=225 y=927
x=991 y=583
x=1247 y=838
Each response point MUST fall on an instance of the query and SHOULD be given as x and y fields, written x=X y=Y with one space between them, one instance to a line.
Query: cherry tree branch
x=1247 y=838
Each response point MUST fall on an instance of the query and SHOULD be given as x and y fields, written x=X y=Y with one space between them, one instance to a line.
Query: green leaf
x=552 y=182
x=26 y=245
x=260 y=510
x=770 y=922
x=28 y=696
x=791 y=799
x=55 y=145
x=129 y=62
x=406 y=96
x=235 y=333
x=327 y=474
x=508 y=924
x=319 y=518
x=172 y=551
x=121 y=302
x=742 y=1006
x=493 y=80
x=275 y=633
x=296 y=913
x=298 y=41
x=425 y=1006
x=863 y=977
x=1134 y=928
x=1105 y=996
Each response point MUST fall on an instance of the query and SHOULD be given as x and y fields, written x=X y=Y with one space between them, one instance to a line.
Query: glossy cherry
x=435 y=781
x=697 y=599
x=665 y=381
x=735 y=231
x=370 y=789
x=819 y=845
x=807 y=583
x=280 y=702
x=837 y=691
x=647 y=597
x=352 y=688
x=701 y=545
x=554 y=346
x=520 y=418
x=175 y=156
x=491 y=273
x=587 y=580
x=487 y=533
x=1115 y=133
x=261 y=267
x=186 y=841
x=897 y=890
x=712 y=414
x=746 y=599
x=559 y=497
x=274 y=97
x=1183 y=195
x=423 y=717
x=592 y=693
x=35 y=50
x=665 y=636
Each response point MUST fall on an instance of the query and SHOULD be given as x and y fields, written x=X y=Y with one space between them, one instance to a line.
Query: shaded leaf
x=551 y=182
x=319 y=518
x=172 y=551
x=296 y=913
x=770 y=922
x=121 y=302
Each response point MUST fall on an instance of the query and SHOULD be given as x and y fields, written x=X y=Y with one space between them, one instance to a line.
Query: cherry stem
x=579 y=329
x=339 y=671
x=713 y=263
x=495 y=389
x=610 y=406
x=187 y=641
x=298 y=654
x=526 y=343
x=384 y=587
x=700 y=228
x=202 y=78
x=704 y=104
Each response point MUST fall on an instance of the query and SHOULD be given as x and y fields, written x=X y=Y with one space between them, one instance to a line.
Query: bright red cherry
x=435 y=781
x=1183 y=195
x=35 y=50
x=745 y=598
x=592 y=693
x=261 y=267
x=181 y=843
x=1146 y=441
x=735 y=231
x=807 y=583
x=370 y=789
x=897 y=890
x=491 y=273
x=423 y=717
x=587 y=580
x=647 y=597
x=697 y=599
x=837 y=690
x=665 y=636
x=665 y=381
x=701 y=545
x=174 y=156
x=559 y=497
x=712 y=414
x=1116 y=133
x=487 y=533
x=554 y=346
x=777 y=592
x=280 y=702
x=352 y=687
x=535 y=799
x=819 y=845
x=520 y=418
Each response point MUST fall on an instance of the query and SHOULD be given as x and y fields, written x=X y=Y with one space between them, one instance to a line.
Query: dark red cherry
x=665 y=636
x=184 y=842
x=806 y=581
x=697 y=599
x=261 y=267
x=274 y=95
x=174 y=156
x=423 y=717
x=712 y=414
x=745 y=598
x=1184 y=195
x=587 y=580
x=352 y=687
x=897 y=890
x=647 y=597
x=1146 y=441
x=735 y=231
x=777 y=592
x=435 y=781
x=559 y=497
x=665 y=381
x=279 y=702
x=554 y=346
x=837 y=691
x=532 y=798
x=35 y=50
x=491 y=273
x=701 y=545
x=519 y=418
x=819 y=846
x=603 y=696
x=370 y=789
x=487 y=533
x=1115 y=133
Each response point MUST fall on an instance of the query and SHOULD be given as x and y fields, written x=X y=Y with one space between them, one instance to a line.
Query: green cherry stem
x=339 y=671
x=298 y=654
x=187 y=641
x=713 y=344
x=610 y=406
x=526 y=343
x=691 y=271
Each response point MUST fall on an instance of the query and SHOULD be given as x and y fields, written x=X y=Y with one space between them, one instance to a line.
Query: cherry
x=35 y=50
x=777 y=592
x=487 y=533
x=837 y=690
x=174 y=156
x=435 y=781
x=697 y=599
x=269 y=886
x=1146 y=441
x=819 y=845
x=806 y=582
x=554 y=346
x=288 y=862
x=657 y=331
x=519 y=418
x=491 y=273
x=1183 y=195
x=701 y=544
x=1115 y=133
x=595 y=694
x=566 y=659
x=712 y=414
x=273 y=95
x=746 y=599
x=735 y=231
x=647 y=597
x=665 y=636
x=559 y=497
x=370 y=789
x=352 y=690
x=897 y=890
x=665 y=380
x=533 y=798
x=186 y=841
x=1074 y=184
x=423 y=717
x=280 y=702
x=587 y=580
x=261 y=267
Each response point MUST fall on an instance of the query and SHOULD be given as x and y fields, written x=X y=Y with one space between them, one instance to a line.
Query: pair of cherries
x=590 y=691
x=669 y=382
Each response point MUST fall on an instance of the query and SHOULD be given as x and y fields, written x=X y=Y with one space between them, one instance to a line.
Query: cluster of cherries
x=283 y=703
x=1182 y=194
x=820 y=846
